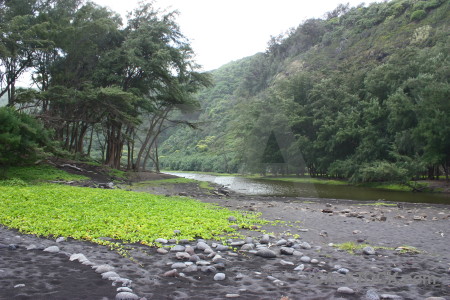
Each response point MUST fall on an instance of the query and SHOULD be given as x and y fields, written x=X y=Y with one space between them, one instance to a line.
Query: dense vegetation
x=361 y=94
x=101 y=88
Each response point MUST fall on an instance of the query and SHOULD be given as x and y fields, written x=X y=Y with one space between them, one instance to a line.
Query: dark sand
x=53 y=276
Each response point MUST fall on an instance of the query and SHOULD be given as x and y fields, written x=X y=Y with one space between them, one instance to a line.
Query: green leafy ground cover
x=40 y=173
x=88 y=214
x=172 y=181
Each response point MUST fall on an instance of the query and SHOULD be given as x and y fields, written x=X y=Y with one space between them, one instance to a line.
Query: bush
x=22 y=138
x=418 y=15
x=380 y=171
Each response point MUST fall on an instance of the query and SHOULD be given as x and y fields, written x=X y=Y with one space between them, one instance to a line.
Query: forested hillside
x=361 y=94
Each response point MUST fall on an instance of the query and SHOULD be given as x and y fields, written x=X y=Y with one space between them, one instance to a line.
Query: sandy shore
x=387 y=274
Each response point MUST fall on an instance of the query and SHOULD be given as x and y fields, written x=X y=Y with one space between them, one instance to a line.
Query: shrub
x=418 y=15
x=380 y=171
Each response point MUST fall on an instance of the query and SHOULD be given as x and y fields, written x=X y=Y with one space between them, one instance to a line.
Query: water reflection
x=265 y=187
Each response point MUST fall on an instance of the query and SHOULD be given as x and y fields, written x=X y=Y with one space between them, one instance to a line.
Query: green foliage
x=418 y=15
x=88 y=214
x=22 y=138
x=380 y=171
x=40 y=173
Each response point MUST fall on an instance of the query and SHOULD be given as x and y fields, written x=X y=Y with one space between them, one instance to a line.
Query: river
x=267 y=187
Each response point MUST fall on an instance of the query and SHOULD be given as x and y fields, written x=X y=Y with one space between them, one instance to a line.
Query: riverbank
x=308 y=261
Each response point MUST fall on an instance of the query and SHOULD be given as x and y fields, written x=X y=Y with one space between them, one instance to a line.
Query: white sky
x=221 y=31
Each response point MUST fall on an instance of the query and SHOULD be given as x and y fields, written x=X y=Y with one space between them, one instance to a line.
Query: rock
x=305 y=259
x=161 y=241
x=396 y=270
x=208 y=269
x=126 y=296
x=172 y=241
x=182 y=256
x=162 y=251
x=435 y=298
x=371 y=294
x=287 y=251
x=190 y=269
x=356 y=231
x=249 y=240
x=178 y=265
x=60 y=239
x=345 y=290
x=393 y=297
x=237 y=244
x=281 y=242
x=266 y=253
x=52 y=249
x=368 y=250
x=297 y=253
x=343 y=271
x=177 y=232
x=190 y=250
x=300 y=267
x=124 y=289
x=194 y=258
x=314 y=261
x=177 y=248
x=20 y=285
x=219 y=277
x=78 y=256
x=286 y=263
x=202 y=246
x=265 y=239
x=110 y=275
x=234 y=226
x=171 y=273
x=219 y=259
x=247 y=247
x=232 y=219
x=305 y=245
x=202 y=263
x=222 y=248
x=103 y=269
x=232 y=296
x=183 y=241
x=323 y=233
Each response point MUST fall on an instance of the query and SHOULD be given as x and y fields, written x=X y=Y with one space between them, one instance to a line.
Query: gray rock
x=368 y=250
x=305 y=259
x=182 y=256
x=52 y=249
x=232 y=219
x=194 y=258
x=396 y=270
x=171 y=273
x=266 y=253
x=172 y=241
x=202 y=246
x=222 y=248
x=190 y=250
x=281 y=242
x=20 y=285
x=345 y=290
x=161 y=241
x=300 y=267
x=126 y=296
x=183 y=241
x=265 y=239
x=162 y=251
x=103 y=269
x=177 y=232
x=392 y=297
x=208 y=269
x=60 y=239
x=286 y=263
x=249 y=240
x=219 y=259
x=178 y=265
x=190 y=269
x=343 y=270
x=219 y=266
x=305 y=245
x=219 y=276
x=202 y=263
x=110 y=275
x=314 y=261
x=297 y=253
x=247 y=247
x=177 y=248
x=286 y=250
x=232 y=296
x=237 y=243
x=124 y=289
x=78 y=256
x=371 y=294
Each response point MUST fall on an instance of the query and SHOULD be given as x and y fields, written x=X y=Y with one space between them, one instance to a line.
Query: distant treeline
x=362 y=94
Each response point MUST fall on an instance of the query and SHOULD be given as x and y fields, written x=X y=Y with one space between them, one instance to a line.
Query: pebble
x=286 y=250
x=388 y=296
x=177 y=231
x=371 y=295
x=314 y=261
x=265 y=239
x=232 y=219
x=343 y=270
x=202 y=246
x=345 y=290
x=222 y=248
x=124 y=289
x=249 y=240
x=396 y=270
x=171 y=273
x=178 y=265
x=78 y=256
x=19 y=285
x=110 y=275
x=161 y=241
x=52 y=249
x=297 y=253
x=219 y=277
x=281 y=242
x=300 y=267
x=237 y=243
x=208 y=269
x=305 y=245
x=183 y=241
x=247 y=247
x=305 y=259
x=177 y=248
x=191 y=268
x=266 y=253
x=369 y=250
x=232 y=296
x=286 y=263
x=126 y=296
x=103 y=269
x=162 y=251
x=203 y=263
x=182 y=256
x=60 y=239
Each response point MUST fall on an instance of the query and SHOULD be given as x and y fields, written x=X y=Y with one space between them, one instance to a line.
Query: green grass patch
x=88 y=214
x=352 y=247
x=172 y=181
x=40 y=173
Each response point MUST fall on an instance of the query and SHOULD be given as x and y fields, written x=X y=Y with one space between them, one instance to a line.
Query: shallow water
x=266 y=187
